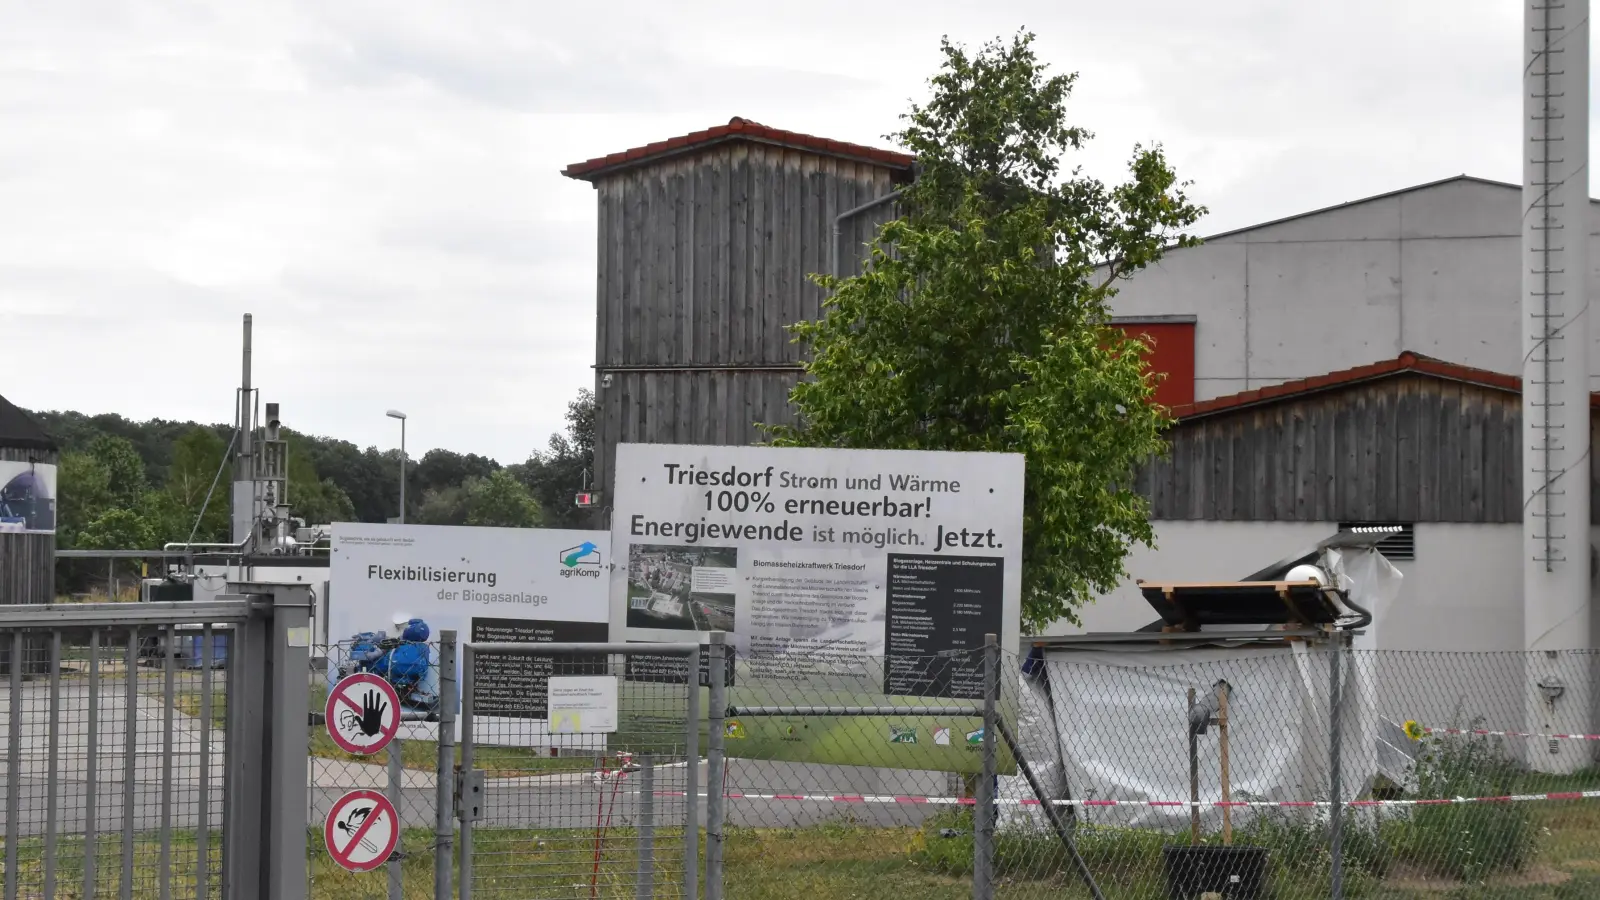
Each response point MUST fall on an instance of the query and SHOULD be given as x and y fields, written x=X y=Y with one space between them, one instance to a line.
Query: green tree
x=319 y=501
x=986 y=327
x=124 y=466
x=442 y=506
x=85 y=488
x=197 y=457
x=500 y=500
x=555 y=476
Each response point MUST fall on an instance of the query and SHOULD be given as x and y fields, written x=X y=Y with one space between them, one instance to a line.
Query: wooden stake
x=1222 y=732
x=1194 y=778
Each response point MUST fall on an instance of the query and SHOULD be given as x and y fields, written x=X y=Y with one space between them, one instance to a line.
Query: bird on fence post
x=1207 y=707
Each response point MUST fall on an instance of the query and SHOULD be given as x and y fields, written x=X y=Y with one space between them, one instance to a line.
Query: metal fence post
x=645 y=880
x=444 y=795
x=14 y=765
x=984 y=813
x=1335 y=753
x=691 y=790
x=464 y=849
x=290 y=690
x=716 y=668
x=396 y=796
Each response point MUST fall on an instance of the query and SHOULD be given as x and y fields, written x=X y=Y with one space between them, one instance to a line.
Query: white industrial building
x=1298 y=303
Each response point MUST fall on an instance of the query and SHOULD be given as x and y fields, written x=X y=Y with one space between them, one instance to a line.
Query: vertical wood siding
x=702 y=262
x=1401 y=449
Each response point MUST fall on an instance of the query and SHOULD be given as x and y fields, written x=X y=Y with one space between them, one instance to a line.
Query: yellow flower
x=1413 y=730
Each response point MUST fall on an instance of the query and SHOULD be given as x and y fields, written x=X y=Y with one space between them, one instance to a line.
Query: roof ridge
x=1407 y=361
x=737 y=128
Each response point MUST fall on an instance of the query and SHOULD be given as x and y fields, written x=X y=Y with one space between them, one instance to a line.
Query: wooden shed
x=28 y=508
x=1407 y=440
x=707 y=243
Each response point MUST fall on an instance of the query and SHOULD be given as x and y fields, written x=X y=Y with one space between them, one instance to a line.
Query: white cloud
x=378 y=182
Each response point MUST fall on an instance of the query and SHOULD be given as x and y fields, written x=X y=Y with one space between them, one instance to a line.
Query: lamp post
x=397 y=414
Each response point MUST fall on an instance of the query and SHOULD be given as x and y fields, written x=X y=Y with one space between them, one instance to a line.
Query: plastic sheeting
x=1123 y=721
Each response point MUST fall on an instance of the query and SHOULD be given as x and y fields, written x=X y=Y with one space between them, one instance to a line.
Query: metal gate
x=553 y=805
x=138 y=761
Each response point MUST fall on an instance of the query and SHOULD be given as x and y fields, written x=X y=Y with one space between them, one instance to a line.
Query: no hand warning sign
x=361 y=831
x=363 y=713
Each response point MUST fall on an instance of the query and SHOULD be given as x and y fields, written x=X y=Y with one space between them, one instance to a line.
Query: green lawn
x=843 y=862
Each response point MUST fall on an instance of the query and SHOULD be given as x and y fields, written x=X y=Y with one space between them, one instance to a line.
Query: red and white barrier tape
x=1183 y=804
x=1478 y=732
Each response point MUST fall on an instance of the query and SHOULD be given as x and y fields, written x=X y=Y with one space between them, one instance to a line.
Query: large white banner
x=806 y=553
x=501 y=585
x=27 y=497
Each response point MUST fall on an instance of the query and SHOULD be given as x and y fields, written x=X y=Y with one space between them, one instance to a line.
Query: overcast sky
x=378 y=182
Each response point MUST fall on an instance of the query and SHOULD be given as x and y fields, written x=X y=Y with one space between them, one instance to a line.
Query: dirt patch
x=1407 y=879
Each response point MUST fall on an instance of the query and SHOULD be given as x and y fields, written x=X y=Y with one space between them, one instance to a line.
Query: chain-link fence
x=1132 y=772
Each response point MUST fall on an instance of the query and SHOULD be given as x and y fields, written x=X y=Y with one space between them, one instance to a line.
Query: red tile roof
x=737 y=129
x=1406 y=362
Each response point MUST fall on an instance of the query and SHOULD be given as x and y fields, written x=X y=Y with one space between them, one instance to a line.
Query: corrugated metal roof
x=737 y=129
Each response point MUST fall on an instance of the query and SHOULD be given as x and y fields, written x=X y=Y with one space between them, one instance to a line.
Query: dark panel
x=1448 y=413
x=1409 y=466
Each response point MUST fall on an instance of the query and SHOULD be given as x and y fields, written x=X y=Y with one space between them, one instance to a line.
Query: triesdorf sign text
x=818 y=562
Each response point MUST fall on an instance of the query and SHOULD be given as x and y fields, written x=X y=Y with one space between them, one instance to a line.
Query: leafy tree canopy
x=500 y=500
x=980 y=321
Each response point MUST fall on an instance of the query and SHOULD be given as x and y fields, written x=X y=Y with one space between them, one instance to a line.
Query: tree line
x=124 y=484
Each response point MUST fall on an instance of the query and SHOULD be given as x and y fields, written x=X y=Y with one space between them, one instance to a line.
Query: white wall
x=1434 y=270
x=1463 y=591
x=1195 y=551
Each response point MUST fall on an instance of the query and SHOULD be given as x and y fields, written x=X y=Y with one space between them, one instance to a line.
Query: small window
x=1398 y=547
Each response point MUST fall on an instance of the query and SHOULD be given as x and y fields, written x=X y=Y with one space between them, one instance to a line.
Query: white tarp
x=1122 y=715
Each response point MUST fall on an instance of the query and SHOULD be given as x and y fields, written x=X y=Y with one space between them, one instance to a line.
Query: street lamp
x=397 y=414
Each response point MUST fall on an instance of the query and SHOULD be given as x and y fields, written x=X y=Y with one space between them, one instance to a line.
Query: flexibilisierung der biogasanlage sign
x=870 y=575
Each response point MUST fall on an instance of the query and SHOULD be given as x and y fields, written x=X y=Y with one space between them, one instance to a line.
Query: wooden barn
x=706 y=248
x=1421 y=443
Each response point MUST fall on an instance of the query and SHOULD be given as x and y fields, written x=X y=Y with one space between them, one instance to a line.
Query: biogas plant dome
x=25 y=500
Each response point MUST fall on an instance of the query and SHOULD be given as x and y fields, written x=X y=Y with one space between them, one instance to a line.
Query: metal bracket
x=469 y=795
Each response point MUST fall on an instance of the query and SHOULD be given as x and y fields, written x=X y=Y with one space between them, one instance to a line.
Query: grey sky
x=379 y=181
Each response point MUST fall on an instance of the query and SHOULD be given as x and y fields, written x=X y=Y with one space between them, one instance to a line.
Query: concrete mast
x=244 y=485
x=1555 y=375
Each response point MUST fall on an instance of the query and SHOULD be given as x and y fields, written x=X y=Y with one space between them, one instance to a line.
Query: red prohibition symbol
x=362 y=831
x=363 y=713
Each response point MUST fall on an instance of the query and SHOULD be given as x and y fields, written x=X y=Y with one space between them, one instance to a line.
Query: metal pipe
x=202 y=832
x=839 y=220
x=464 y=853
x=396 y=796
x=169 y=699
x=53 y=771
x=130 y=758
x=91 y=819
x=715 y=763
x=444 y=831
x=14 y=767
x=983 y=827
x=1335 y=754
x=691 y=757
x=644 y=884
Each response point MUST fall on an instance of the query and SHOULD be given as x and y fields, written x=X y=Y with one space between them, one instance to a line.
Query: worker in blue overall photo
x=407 y=661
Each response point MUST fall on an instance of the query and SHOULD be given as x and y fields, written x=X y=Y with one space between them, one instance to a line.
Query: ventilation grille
x=1398 y=547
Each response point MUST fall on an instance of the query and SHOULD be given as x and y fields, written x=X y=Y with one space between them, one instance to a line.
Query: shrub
x=1467 y=841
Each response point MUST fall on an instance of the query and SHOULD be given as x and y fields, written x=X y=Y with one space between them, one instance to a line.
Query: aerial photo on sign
x=878 y=572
